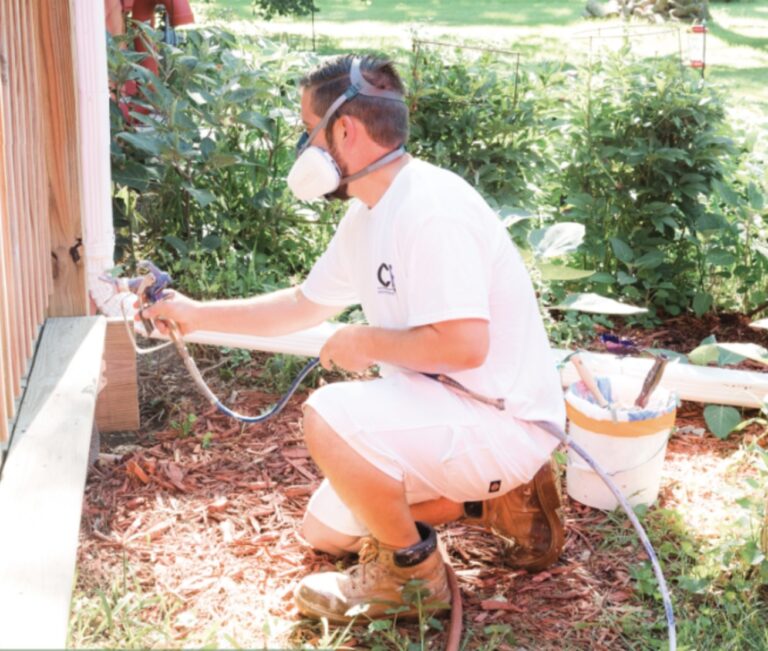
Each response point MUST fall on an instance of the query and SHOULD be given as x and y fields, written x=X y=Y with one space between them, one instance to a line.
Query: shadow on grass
x=734 y=38
x=752 y=82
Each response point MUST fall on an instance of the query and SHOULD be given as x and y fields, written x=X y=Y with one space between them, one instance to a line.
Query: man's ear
x=348 y=129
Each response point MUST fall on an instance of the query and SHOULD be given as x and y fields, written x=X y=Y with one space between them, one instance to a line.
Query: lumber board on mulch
x=117 y=408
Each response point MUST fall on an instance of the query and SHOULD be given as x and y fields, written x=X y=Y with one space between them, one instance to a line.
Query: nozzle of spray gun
x=149 y=287
x=160 y=281
x=123 y=284
x=151 y=291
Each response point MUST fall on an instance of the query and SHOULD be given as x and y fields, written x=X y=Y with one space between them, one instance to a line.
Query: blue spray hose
x=559 y=434
x=206 y=390
x=278 y=406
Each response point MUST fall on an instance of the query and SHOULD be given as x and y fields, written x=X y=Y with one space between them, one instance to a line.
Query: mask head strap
x=359 y=85
x=387 y=158
x=364 y=87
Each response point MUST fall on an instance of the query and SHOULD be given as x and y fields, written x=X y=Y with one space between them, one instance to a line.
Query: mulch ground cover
x=211 y=520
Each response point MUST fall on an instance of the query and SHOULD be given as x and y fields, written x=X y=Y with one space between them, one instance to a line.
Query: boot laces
x=367 y=569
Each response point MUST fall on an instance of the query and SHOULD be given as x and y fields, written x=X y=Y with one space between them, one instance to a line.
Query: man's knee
x=325 y=539
x=316 y=430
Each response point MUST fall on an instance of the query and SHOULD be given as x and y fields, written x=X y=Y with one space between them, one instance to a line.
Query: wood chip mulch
x=212 y=520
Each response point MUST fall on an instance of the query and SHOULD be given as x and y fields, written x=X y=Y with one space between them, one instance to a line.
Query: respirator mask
x=315 y=172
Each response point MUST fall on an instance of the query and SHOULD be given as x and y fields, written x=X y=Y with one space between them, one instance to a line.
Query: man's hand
x=346 y=349
x=175 y=307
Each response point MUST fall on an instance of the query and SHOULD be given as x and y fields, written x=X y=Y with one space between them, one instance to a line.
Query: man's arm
x=443 y=347
x=267 y=315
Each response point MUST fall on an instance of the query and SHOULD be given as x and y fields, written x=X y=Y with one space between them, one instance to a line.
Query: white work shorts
x=438 y=443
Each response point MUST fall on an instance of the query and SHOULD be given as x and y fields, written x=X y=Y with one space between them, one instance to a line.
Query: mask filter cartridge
x=314 y=174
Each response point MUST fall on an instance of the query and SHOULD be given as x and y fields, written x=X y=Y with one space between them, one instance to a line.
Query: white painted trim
x=697 y=383
x=93 y=117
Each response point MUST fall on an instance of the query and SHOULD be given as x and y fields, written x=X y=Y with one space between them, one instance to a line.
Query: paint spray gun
x=149 y=287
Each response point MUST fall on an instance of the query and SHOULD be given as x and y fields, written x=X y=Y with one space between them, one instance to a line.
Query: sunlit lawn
x=740 y=51
x=737 y=48
x=443 y=12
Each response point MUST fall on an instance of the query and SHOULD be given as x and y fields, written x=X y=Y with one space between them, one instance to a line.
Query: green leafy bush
x=268 y=9
x=479 y=118
x=644 y=146
x=638 y=152
x=200 y=164
x=737 y=236
x=497 y=125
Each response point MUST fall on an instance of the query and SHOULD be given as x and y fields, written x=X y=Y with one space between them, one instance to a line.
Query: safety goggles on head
x=315 y=173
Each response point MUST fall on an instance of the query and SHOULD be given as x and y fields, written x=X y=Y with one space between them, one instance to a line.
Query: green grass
x=742 y=9
x=737 y=50
x=443 y=12
x=118 y=616
x=727 y=613
x=743 y=85
x=734 y=38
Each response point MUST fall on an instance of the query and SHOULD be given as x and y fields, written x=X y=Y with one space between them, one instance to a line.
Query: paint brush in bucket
x=589 y=381
x=651 y=381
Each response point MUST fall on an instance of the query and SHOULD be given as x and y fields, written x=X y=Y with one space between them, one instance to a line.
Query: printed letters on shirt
x=386 y=278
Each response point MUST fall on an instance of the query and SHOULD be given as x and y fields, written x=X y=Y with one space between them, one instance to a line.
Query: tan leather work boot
x=376 y=584
x=529 y=518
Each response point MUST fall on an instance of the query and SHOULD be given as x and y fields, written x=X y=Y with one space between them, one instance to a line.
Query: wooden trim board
x=710 y=385
x=64 y=162
x=41 y=488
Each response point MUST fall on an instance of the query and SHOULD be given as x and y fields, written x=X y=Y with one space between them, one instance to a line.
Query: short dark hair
x=386 y=120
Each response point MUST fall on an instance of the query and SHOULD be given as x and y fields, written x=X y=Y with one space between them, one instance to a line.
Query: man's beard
x=342 y=192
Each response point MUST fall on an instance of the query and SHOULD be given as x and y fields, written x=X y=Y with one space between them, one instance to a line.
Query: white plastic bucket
x=628 y=443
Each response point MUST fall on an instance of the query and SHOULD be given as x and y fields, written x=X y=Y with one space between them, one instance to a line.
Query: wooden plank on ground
x=41 y=489
x=117 y=408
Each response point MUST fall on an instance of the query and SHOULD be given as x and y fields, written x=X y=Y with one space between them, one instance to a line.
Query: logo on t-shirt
x=386 y=279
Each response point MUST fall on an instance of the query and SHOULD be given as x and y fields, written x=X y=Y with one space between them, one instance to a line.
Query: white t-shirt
x=432 y=250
